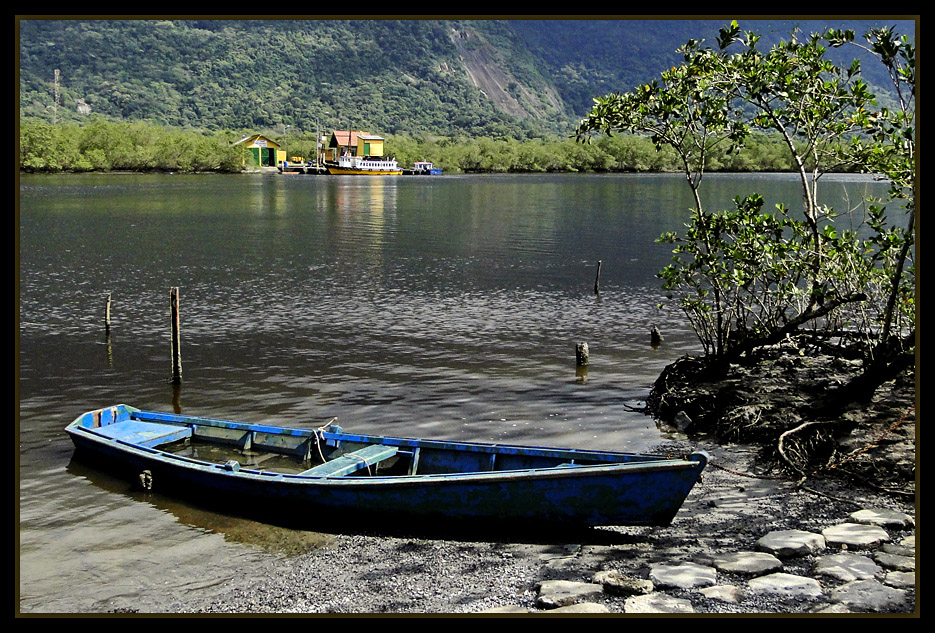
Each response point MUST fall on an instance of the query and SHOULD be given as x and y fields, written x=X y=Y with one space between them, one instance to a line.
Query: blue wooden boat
x=330 y=473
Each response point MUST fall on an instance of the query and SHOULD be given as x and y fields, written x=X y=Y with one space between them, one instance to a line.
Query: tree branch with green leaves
x=744 y=277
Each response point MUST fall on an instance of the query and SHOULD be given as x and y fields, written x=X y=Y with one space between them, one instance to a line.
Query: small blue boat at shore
x=325 y=473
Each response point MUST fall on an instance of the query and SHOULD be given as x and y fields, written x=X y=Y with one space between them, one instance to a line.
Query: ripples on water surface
x=444 y=307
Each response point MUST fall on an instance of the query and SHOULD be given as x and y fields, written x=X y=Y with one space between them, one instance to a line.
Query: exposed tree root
x=780 y=401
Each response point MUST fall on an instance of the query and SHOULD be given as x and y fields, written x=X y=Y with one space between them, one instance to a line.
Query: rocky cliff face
x=485 y=69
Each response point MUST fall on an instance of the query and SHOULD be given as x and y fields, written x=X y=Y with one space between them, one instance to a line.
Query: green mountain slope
x=522 y=78
x=587 y=58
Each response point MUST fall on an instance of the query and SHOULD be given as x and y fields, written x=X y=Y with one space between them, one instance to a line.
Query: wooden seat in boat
x=352 y=462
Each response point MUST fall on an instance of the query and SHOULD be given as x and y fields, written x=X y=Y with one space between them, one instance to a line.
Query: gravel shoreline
x=728 y=511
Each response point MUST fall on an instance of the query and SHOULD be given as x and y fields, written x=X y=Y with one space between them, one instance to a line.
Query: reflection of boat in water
x=405 y=481
x=365 y=166
x=234 y=526
x=423 y=168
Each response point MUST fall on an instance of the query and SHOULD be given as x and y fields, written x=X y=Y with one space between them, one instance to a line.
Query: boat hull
x=344 y=171
x=632 y=492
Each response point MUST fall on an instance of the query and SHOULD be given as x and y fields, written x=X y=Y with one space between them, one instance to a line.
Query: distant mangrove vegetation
x=110 y=146
x=106 y=146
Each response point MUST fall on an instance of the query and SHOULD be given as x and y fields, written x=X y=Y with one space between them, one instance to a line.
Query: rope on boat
x=359 y=458
x=319 y=437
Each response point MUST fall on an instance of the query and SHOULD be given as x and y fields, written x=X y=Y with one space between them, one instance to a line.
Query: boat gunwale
x=409 y=442
x=696 y=460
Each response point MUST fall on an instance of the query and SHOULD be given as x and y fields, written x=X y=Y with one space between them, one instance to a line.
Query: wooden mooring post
x=107 y=314
x=110 y=349
x=597 y=279
x=176 y=344
x=582 y=360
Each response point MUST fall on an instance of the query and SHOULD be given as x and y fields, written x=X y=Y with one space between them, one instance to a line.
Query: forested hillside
x=388 y=76
x=456 y=78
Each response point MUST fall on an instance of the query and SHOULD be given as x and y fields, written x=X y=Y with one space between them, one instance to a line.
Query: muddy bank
x=782 y=401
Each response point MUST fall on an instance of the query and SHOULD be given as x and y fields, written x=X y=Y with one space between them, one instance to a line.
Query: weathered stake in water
x=176 y=344
x=110 y=350
x=107 y=314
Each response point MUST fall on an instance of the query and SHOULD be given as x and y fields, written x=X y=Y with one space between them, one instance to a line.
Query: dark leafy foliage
x=746 y=278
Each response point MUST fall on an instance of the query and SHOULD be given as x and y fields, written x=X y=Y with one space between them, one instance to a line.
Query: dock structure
x=308 y=168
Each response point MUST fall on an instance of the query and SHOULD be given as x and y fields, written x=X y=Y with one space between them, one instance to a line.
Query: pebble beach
x=741 y=544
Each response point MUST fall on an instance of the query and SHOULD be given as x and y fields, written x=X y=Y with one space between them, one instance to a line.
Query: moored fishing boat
x=327 y=473
x=423 y=168
x=365 y=166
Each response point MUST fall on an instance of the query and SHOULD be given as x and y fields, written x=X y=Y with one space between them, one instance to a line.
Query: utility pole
x=55 y=98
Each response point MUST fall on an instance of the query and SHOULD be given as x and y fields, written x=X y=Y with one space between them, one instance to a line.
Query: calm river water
x=445 y=307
